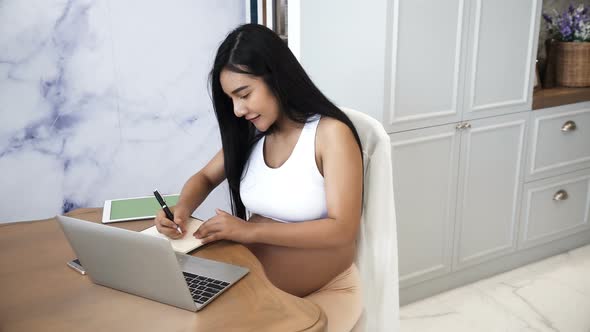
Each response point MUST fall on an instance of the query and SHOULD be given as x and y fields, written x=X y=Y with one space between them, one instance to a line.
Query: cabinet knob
x=463 y=125
x=568 y=126
x=560 y=195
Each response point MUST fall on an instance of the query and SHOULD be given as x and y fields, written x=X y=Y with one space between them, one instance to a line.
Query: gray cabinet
x=489 y=188
x=425 y=165
x=460 y=60
x=427 y=63
x=501 y=52
x=520 y=192
x=420 y=63
x=559 y=140
x=475 y=171
x=556 y=200
x=457 y=190
x=554 y=208
x=473 y=68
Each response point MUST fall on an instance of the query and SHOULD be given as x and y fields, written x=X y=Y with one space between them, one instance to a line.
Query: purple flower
x=571 y=8
x=565 y=31
x=547 y=18
x=573 y=24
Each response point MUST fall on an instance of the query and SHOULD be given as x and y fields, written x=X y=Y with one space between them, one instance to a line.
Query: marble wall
x=105 y=99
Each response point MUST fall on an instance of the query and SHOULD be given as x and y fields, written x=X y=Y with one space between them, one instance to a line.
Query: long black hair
x=256 y=50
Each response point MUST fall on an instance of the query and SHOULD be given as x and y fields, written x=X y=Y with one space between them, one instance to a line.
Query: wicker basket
x=572 y=65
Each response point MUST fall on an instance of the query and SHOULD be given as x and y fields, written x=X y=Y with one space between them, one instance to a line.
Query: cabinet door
x=424 y=181
x=426 y=63
x=490 y=177
x=501 y=56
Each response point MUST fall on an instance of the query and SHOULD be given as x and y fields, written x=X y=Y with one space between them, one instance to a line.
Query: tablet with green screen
x=135 y=208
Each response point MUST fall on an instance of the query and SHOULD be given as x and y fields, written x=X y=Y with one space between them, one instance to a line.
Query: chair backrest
x=377 y=256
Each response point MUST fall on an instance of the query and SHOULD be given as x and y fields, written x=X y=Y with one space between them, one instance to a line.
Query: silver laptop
x=147 y=266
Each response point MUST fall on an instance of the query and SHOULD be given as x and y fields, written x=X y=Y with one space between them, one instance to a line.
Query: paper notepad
x=187 y=242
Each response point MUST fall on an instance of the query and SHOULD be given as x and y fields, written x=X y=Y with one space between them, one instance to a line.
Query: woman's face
x=251 y=97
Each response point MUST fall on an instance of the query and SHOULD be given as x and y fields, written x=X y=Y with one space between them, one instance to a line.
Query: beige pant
x=341 y=300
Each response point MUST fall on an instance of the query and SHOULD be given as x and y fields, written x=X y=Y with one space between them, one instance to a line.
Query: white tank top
x=294 y=191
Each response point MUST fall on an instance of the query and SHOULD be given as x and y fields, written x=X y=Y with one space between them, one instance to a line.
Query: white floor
x=549 y=295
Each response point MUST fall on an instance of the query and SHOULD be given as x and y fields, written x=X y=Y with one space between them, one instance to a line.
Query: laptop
x=147 y=266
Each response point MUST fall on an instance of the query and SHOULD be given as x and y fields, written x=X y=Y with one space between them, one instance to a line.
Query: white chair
x=377 y=257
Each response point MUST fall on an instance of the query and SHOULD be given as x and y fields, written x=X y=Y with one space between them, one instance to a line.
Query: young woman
x=293 y=162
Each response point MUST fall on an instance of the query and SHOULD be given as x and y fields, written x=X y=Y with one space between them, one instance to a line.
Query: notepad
x=186 y=243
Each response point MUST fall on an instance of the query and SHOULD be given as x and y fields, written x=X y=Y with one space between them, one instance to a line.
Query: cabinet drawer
x=560 y=142
x=554 y=208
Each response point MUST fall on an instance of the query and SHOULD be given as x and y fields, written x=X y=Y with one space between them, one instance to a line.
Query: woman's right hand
x=167 y=227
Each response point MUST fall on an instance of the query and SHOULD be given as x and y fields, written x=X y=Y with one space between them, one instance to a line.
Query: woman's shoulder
x=330 y=128
x=334 y=134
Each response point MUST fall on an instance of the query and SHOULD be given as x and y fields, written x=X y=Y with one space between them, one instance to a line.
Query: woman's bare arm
x=193 y=193
x=197 y=187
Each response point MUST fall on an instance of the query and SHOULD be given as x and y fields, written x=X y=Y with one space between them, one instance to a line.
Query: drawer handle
x=464 y=125
x=560 y=195
x=568 y=126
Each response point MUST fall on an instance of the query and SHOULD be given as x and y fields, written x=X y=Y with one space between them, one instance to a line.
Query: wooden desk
x=38 y=292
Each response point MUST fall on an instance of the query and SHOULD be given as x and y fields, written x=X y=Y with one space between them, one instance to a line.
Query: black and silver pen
x=167 y=211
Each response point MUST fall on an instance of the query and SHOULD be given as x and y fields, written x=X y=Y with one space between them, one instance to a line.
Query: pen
x=167 y=211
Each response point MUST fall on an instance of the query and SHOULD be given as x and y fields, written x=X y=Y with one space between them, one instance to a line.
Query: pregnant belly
x=302 y=271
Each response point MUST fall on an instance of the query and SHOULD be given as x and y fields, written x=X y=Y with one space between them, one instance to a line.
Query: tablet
x=135 y=208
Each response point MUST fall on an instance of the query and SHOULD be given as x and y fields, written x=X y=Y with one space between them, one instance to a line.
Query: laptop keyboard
x=203 y=288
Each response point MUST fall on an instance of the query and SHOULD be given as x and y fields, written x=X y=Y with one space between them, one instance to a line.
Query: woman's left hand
x=225 y=226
